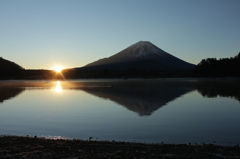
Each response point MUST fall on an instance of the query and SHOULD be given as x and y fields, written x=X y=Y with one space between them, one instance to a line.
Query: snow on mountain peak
x=140 y=49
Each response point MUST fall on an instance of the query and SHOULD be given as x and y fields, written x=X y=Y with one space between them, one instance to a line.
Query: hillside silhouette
x=211 y=67
x=9 y=69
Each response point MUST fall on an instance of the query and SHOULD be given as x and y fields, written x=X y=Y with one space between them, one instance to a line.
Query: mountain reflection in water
x=143 y=100
x=141 y=96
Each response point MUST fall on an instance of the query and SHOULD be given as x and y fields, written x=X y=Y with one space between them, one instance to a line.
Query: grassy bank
x=30 y=147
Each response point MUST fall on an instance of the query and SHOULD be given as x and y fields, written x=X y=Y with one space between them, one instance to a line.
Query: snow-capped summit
x=141 y=55
x=139 y=49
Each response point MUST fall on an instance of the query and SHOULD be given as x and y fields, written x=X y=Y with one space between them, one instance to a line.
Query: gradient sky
x=38 y=34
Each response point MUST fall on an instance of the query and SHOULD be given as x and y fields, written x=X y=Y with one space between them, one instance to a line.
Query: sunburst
x=57 y=68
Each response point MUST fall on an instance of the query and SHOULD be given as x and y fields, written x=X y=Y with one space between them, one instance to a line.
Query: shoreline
x=34 y=147
x=122 y=78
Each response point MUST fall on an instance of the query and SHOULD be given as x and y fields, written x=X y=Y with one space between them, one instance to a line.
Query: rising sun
x=57 y=68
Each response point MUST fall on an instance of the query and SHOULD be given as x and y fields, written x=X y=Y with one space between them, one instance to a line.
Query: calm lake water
x=148 y=111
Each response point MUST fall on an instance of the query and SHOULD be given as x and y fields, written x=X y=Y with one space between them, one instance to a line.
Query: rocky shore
x=12 y=147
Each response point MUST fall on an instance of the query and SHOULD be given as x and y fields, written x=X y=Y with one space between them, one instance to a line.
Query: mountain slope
x=141 y=55
x=8 y=65
x=9 y=68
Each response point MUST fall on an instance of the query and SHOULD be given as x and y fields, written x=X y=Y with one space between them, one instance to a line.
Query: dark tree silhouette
x=211 y=67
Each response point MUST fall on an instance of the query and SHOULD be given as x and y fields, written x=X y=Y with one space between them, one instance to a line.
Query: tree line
x=224 y=67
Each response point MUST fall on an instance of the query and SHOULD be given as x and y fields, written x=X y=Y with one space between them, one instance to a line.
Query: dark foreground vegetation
x=40 y=148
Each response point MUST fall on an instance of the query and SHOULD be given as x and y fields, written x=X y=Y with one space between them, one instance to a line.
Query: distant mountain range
x=141 y=55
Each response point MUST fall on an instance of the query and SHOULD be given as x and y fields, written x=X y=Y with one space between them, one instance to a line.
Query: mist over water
x=153 y=111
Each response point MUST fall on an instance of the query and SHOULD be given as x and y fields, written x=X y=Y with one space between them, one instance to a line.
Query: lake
x=192 y=111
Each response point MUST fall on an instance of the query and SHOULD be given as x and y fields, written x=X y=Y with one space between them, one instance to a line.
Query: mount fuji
x=141 y=55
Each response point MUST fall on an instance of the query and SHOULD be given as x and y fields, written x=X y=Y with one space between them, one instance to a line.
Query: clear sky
x=38 y=34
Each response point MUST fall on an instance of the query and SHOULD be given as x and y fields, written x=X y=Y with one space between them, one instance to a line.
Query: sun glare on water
x=58 y=87
x=57 y=68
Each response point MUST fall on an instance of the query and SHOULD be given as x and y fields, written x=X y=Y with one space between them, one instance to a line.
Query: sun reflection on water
x=58 y=88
